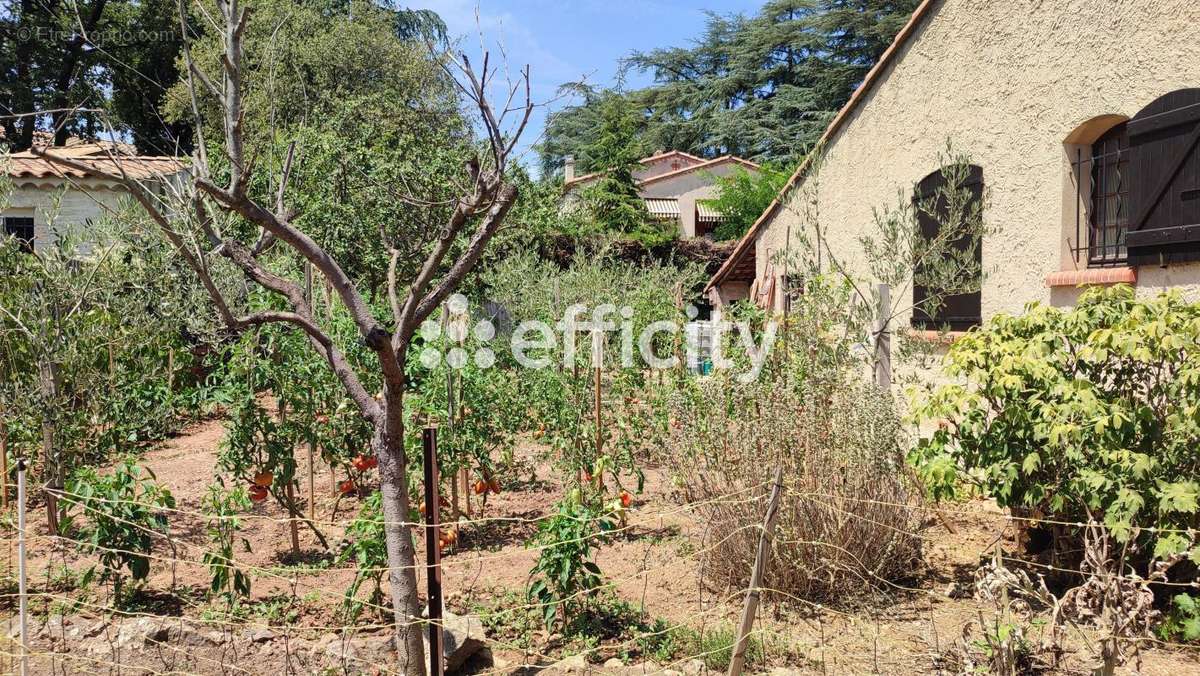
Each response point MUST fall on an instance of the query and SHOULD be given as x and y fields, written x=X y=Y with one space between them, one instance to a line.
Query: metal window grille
x=1108 y=207
x=20 y=227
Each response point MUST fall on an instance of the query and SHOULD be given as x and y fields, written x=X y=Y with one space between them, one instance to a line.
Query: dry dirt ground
x=292 y=626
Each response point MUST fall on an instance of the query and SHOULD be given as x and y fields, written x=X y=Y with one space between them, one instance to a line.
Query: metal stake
x=433 y=550
x=22 y=591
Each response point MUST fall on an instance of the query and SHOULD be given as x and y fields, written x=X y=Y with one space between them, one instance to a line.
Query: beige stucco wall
x=57 y=206
x=1007 y=83
x=688 y=188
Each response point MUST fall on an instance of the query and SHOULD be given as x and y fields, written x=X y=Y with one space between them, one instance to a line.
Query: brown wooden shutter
x=959 y=312
x=1164 y=172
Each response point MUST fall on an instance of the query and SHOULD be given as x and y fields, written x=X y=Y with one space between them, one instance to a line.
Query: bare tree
x=477 y=214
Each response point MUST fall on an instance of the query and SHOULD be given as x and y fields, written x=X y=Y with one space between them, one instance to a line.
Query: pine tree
x=763 y=87
x=612 y=199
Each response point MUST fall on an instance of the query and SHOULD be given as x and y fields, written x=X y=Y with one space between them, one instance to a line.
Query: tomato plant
x=223 y=507
x=368 y=551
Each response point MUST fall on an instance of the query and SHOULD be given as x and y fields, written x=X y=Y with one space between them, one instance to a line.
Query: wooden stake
x=170 y=369
x=883 y=339
x=466 y=490
x=52 y=461
x=598 y=355
x=312 y=480
x=290 y=493
x=3 y=462
x=291 y=497
x=738 y=661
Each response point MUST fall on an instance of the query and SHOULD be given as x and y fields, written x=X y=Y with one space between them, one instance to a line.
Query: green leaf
x=1180 y=496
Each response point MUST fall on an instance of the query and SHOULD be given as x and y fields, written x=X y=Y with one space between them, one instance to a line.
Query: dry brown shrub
x=848 y=520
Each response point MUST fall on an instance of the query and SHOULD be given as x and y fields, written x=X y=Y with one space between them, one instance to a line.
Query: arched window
x=946 y=199
x=1108 y=213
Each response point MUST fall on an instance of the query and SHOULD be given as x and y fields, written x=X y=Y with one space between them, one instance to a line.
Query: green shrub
x=118 y=518
x=1092 y=411
x=566 y=575
x=1183 y=621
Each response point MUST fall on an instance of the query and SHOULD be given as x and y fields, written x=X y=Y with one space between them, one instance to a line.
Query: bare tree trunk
x=402 y=576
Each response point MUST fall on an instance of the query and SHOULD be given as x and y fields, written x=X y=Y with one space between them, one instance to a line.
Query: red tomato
x=626 y=499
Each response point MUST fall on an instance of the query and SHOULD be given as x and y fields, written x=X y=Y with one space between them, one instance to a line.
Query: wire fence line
x=305 y=580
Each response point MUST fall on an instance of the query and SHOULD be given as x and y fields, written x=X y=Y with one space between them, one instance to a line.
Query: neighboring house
x=1081 y=120
x=48 y=198
x=674 y=185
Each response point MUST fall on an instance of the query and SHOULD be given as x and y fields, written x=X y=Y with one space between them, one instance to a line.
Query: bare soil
x=294 y=625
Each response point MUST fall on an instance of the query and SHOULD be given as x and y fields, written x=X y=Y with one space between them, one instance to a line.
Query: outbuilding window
x=20 y=227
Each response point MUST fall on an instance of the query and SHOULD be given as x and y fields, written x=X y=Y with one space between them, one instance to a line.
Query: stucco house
x=674 y=186
x=48 y=198
x=1081 y=121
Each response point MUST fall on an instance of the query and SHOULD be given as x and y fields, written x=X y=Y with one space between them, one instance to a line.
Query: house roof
x=139 y=167
x=670 y=153
x=696 y=164
x=708 y=164
x=873 y=77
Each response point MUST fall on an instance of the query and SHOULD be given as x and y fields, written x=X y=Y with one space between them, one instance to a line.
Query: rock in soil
x=462 y=637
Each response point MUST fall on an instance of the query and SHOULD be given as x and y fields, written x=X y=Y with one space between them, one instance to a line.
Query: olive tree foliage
x=894 y=251
x=225 y=214
x=85 y=330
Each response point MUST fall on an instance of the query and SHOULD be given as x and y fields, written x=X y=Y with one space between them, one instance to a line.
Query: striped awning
x=706 y=214
x=662 y=208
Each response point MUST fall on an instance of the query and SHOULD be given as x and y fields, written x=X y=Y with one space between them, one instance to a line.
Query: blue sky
x=569 y=40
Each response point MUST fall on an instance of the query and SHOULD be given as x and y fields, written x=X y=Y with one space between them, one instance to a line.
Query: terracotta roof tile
x=25 y=165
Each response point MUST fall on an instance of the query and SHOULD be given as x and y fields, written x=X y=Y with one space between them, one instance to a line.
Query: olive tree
x=207 y=220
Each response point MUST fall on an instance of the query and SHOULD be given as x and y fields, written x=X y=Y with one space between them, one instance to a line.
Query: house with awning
x=1081 y=122
x=675 y=186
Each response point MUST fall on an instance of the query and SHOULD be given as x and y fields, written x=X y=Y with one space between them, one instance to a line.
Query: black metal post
x=433 y=550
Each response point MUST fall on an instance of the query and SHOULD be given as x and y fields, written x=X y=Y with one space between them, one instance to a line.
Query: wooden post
x=598 y=356
x=289 y=492
x=738 y=660
x=170 y=370
x=52 y=461
x=3 y=462
x=465 y=476
x=883 y=339
x=312 y=480
x=433 y=550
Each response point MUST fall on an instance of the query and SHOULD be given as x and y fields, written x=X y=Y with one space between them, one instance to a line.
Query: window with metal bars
x=20 y=227
x=1108 y=217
